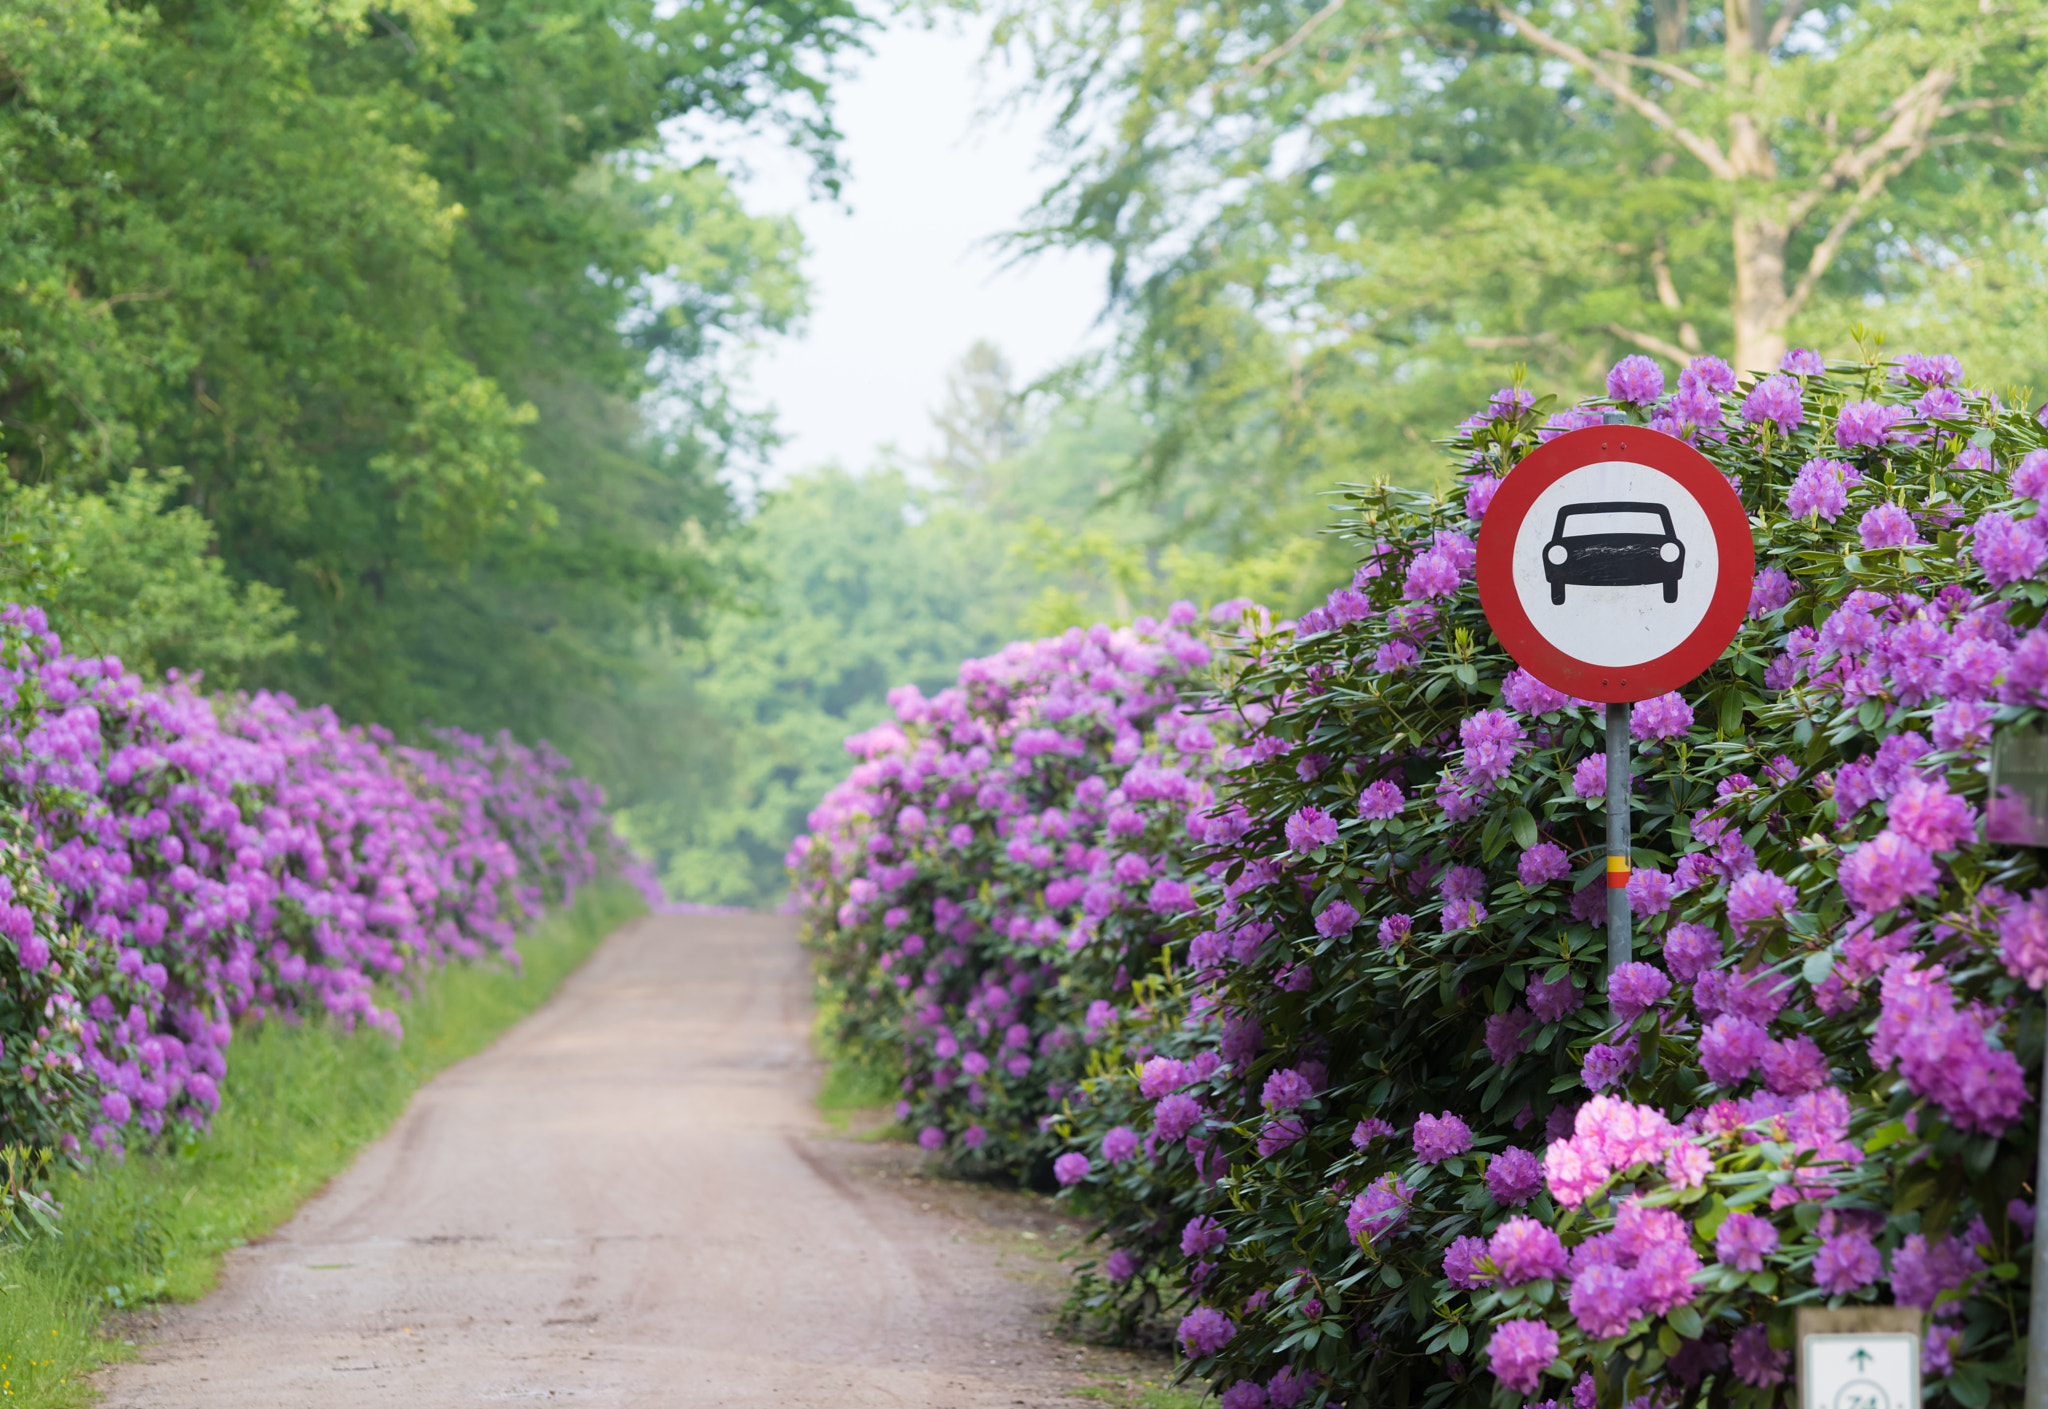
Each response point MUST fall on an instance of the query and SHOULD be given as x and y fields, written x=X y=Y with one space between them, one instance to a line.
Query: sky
x=903 y=278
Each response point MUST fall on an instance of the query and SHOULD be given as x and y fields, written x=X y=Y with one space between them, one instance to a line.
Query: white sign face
x=1880 y=1370
x=1615 y=563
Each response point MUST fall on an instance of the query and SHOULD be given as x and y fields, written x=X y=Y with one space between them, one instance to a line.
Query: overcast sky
x=902 y=278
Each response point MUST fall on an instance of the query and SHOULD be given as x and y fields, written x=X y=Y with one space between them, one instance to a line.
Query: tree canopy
x=399 y=291
x=1336 y=225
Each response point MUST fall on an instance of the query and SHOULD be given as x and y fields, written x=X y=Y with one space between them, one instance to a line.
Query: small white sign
x=1878 y=1370
x=1616 y=563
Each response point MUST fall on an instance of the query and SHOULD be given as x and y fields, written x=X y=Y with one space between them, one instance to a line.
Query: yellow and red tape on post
x=1617 y=873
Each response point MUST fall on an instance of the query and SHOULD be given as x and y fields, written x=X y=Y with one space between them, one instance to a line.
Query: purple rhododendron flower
x=1551 y=1001
x=1493 y=739
x=1929 y=815
x=2023 y=940
x=2006 y=551
x=1795 y=1066
x=1119 y=1144
x=1202 y=1235
x=1744 y=1240
x=1394 y=657
x=1513 y=1177
x=1336 y=921
x=1438 y=1138
x=1243 y=1395
x=1204 y=1331
x=1507 y=1034
x=2030 y=475
x=1607 y=1064
x=1520 y=1352
x=1931 y=369
x=1758 y=898
x=1071 y=1167
x=1887 y=871
x=1731 y=1048
x=1432 y=574
x=1541 y=864
x=1802 y=362
x=1176 y=1115
x=1461 y=1263
x=1665 y=717
x=1865 y=423
x=1309 y=828
x=1754 y=1361
x=1120 y=1267
x=1847 y=1262
x=1380 y=801
x=1820 y=488
x=1160 y=1075
x=1285 y=1089
x=1635 y=988
x=1888 y=526
x=1394 y=929
x=1525 y=694
x=1636 y=379
x=1380 y=1211
x=1774 y=399
x=1773 y=589
x=931 y=1137
x=1649 y=891
x=1524 y=1249
x=1589 y=779
x=1709 y=374
x=1369 y=1130
x=1689 y=948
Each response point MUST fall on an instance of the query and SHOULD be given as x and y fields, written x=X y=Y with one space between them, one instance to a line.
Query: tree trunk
x=1759 y=289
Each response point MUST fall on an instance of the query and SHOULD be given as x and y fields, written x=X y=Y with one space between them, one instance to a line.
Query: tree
x=418 y=305
x=1333 y=228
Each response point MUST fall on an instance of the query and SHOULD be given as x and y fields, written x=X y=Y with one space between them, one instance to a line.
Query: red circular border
x=1543 y=467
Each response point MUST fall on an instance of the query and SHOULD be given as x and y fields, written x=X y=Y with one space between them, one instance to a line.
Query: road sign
x=1878 y=1370
x=1615 y=563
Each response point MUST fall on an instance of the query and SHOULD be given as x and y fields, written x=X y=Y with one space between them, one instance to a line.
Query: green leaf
x=1524 y=827
x=1817 y=967
x=1460 y=1338
x=1686 y=1322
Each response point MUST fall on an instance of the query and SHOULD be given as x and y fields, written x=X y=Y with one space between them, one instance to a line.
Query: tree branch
x=1909 y=117
x=1647 y=343
x=1293 y=41
x=1824 y=253
x=1670 y=71
x=1787 y=17
x=1704 y=148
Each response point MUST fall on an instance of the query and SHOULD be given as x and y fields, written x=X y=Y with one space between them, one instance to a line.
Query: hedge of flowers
x=173 y=865
x=1395 y=1138
x=1005 y=860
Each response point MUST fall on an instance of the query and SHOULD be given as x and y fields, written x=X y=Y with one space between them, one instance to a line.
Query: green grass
x=855 y=1084
x=298 y=1103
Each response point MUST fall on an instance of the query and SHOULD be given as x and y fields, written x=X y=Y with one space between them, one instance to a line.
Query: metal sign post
x=1619 y=833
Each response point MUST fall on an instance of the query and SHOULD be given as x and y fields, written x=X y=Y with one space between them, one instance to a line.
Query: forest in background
x=380 y=353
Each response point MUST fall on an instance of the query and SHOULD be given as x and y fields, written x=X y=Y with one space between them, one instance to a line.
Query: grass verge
x=857 y=1093
x=298 y=1103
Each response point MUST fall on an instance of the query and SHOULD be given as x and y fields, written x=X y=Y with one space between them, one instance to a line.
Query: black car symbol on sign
x=1591 y=558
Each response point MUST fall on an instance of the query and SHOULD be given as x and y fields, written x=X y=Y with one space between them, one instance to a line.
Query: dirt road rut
x=626 y=1201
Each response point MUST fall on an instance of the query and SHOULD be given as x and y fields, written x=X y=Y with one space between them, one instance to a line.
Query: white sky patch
x=904 y=274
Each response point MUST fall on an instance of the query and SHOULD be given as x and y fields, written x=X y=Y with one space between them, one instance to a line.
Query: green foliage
x=126 y=574
x=1333 y=226
x=298 y=1103
x=848 y=585
x=391 y=287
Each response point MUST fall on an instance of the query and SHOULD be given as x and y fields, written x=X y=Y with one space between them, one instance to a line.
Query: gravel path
x=626 y=1201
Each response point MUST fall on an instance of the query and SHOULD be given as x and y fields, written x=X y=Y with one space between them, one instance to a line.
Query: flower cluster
x=1378 y=1122
x=1004 y=845
x=177 y=865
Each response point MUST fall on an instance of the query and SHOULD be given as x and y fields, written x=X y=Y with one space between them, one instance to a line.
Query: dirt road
x=627 y=1201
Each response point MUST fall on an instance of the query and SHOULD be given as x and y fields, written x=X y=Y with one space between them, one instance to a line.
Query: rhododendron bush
x=1395 y=1138
x=174 y=865
x=1002 y=865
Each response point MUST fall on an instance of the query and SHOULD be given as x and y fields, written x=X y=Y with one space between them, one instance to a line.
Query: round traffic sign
x=1615 y=563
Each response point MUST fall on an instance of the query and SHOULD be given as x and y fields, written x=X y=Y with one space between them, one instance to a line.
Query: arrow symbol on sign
x=1862 y=1358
